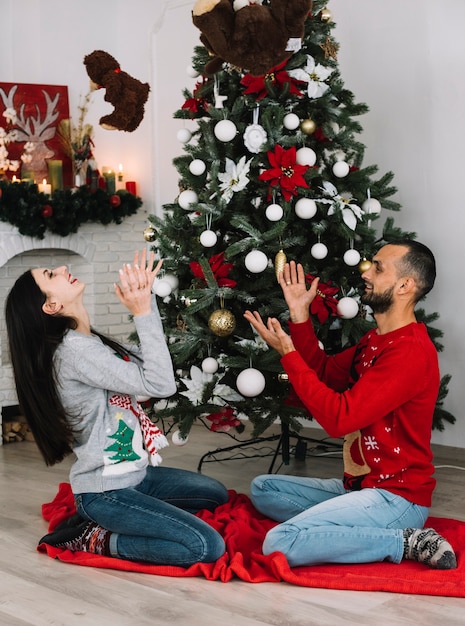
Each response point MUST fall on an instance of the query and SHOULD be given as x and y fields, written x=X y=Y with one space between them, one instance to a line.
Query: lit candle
x=14 y=179
x=45 y=188
x=120 y=178
x=109 y=177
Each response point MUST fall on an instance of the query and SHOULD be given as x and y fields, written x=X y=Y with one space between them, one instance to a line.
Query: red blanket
x=244 y=529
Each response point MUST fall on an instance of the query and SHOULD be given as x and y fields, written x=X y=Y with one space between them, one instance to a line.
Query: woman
x=80 y=393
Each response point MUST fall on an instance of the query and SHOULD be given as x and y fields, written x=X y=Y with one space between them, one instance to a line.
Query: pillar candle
x=131 y=187
x=55 y=173
x=109 y=176
x=45 y=188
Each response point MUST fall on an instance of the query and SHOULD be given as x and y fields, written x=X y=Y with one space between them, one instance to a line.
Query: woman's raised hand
x=136 y=280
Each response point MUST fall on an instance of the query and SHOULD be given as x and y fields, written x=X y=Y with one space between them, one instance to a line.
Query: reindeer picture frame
x=39 y=110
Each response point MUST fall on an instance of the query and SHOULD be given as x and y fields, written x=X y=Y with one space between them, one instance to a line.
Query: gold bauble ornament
x=280 y=261
x=326 y=15
x=364 y=265
x=308 y=126
x=222 y=322
x=150 y=234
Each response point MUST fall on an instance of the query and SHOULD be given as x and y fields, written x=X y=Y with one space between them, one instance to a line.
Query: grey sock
x=425 y=545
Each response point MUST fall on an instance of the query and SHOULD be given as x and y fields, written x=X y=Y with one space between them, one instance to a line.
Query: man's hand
x=296 y=294
x=272 y=333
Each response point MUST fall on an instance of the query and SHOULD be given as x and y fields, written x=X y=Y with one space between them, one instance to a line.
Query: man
x=380 y=396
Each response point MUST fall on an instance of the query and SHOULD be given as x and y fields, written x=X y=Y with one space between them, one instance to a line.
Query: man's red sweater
x=383 y=393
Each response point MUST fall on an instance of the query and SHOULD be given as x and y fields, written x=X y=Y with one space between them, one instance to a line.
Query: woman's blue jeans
x=324 y=523
x=154 y=521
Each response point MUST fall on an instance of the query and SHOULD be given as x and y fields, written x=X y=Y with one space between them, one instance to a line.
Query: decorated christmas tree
x=273 y=172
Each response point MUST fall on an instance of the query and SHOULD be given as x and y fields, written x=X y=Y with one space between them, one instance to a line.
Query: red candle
x=131 y=187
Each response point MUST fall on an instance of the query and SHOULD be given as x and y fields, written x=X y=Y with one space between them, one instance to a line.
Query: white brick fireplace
x=94 y=255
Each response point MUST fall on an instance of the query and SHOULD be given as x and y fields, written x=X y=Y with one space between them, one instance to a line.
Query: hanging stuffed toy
x=127 y=94
x=248 y=34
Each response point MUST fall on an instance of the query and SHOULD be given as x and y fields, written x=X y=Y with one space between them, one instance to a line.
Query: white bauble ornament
x=187 y=198
x=197 y=167
x=208 y=238
x=274 y=212
x=250 y=382
x=291 y=121
x=319 y=251
x=340 y=169
x=161 y=288
x=305 y=208
x=225 y=130
x=347 y=308
x=256 y=261
x=191 y=71
x=178 y=440
x=184 y=135
x=172 y=280
x=209 y=365
x=305 y=156
x=351 y=257
x=372 y=205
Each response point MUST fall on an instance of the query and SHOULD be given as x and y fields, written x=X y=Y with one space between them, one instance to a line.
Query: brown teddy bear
x=127 y=94
x=249 y=35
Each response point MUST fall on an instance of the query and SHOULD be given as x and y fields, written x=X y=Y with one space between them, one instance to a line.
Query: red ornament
x=115 y=200
x=47 y=211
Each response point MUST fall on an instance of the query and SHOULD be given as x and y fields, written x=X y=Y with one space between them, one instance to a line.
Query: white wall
x=404 y=58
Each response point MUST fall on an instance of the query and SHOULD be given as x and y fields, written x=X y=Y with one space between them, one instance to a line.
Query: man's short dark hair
x=418 y=262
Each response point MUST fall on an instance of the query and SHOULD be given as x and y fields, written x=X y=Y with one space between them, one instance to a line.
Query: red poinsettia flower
x=224 y=420
x=324 y=304
x=277 y=76
x=196 y=104
x=285 y=172
x=219 y=268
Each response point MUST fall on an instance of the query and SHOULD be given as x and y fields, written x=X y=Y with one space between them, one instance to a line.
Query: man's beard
x=378 y=302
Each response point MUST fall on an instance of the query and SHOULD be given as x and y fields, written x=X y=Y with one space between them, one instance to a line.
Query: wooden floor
x=35 y=589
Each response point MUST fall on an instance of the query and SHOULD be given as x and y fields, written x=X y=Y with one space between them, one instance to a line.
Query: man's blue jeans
x=324 y=523
x=154 y=521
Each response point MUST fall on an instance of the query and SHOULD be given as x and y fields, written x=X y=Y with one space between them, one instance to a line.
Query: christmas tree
x=273 y=172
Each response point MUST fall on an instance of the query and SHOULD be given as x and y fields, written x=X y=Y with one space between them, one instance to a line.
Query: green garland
x=62 y=213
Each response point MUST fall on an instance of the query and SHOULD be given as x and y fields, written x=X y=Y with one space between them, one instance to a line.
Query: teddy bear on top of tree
x=272 y=171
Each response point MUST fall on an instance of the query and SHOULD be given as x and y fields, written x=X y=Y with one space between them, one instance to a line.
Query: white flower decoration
x=234 y=178
x=254 y=137
x=195 y=388
x=313 y=74
x=340 y=204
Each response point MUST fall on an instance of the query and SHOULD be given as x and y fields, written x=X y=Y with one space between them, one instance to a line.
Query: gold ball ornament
x=364 y=265
x=222 y=322
x=150 y=234
x=326 y=15
x=308 y=126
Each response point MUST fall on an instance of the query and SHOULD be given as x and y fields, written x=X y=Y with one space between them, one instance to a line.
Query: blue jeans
x=154 y=521
x=321 y=522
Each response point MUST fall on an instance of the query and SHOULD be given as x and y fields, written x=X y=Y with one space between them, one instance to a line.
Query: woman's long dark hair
x=33 y=337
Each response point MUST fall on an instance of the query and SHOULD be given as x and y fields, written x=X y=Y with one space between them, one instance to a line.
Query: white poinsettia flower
x=315 y=75
x=341 y=203
x=196 y=385
x=234 y=178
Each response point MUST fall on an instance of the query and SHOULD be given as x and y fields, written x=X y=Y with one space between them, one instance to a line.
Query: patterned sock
x=426 y=546
x=87 y=537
